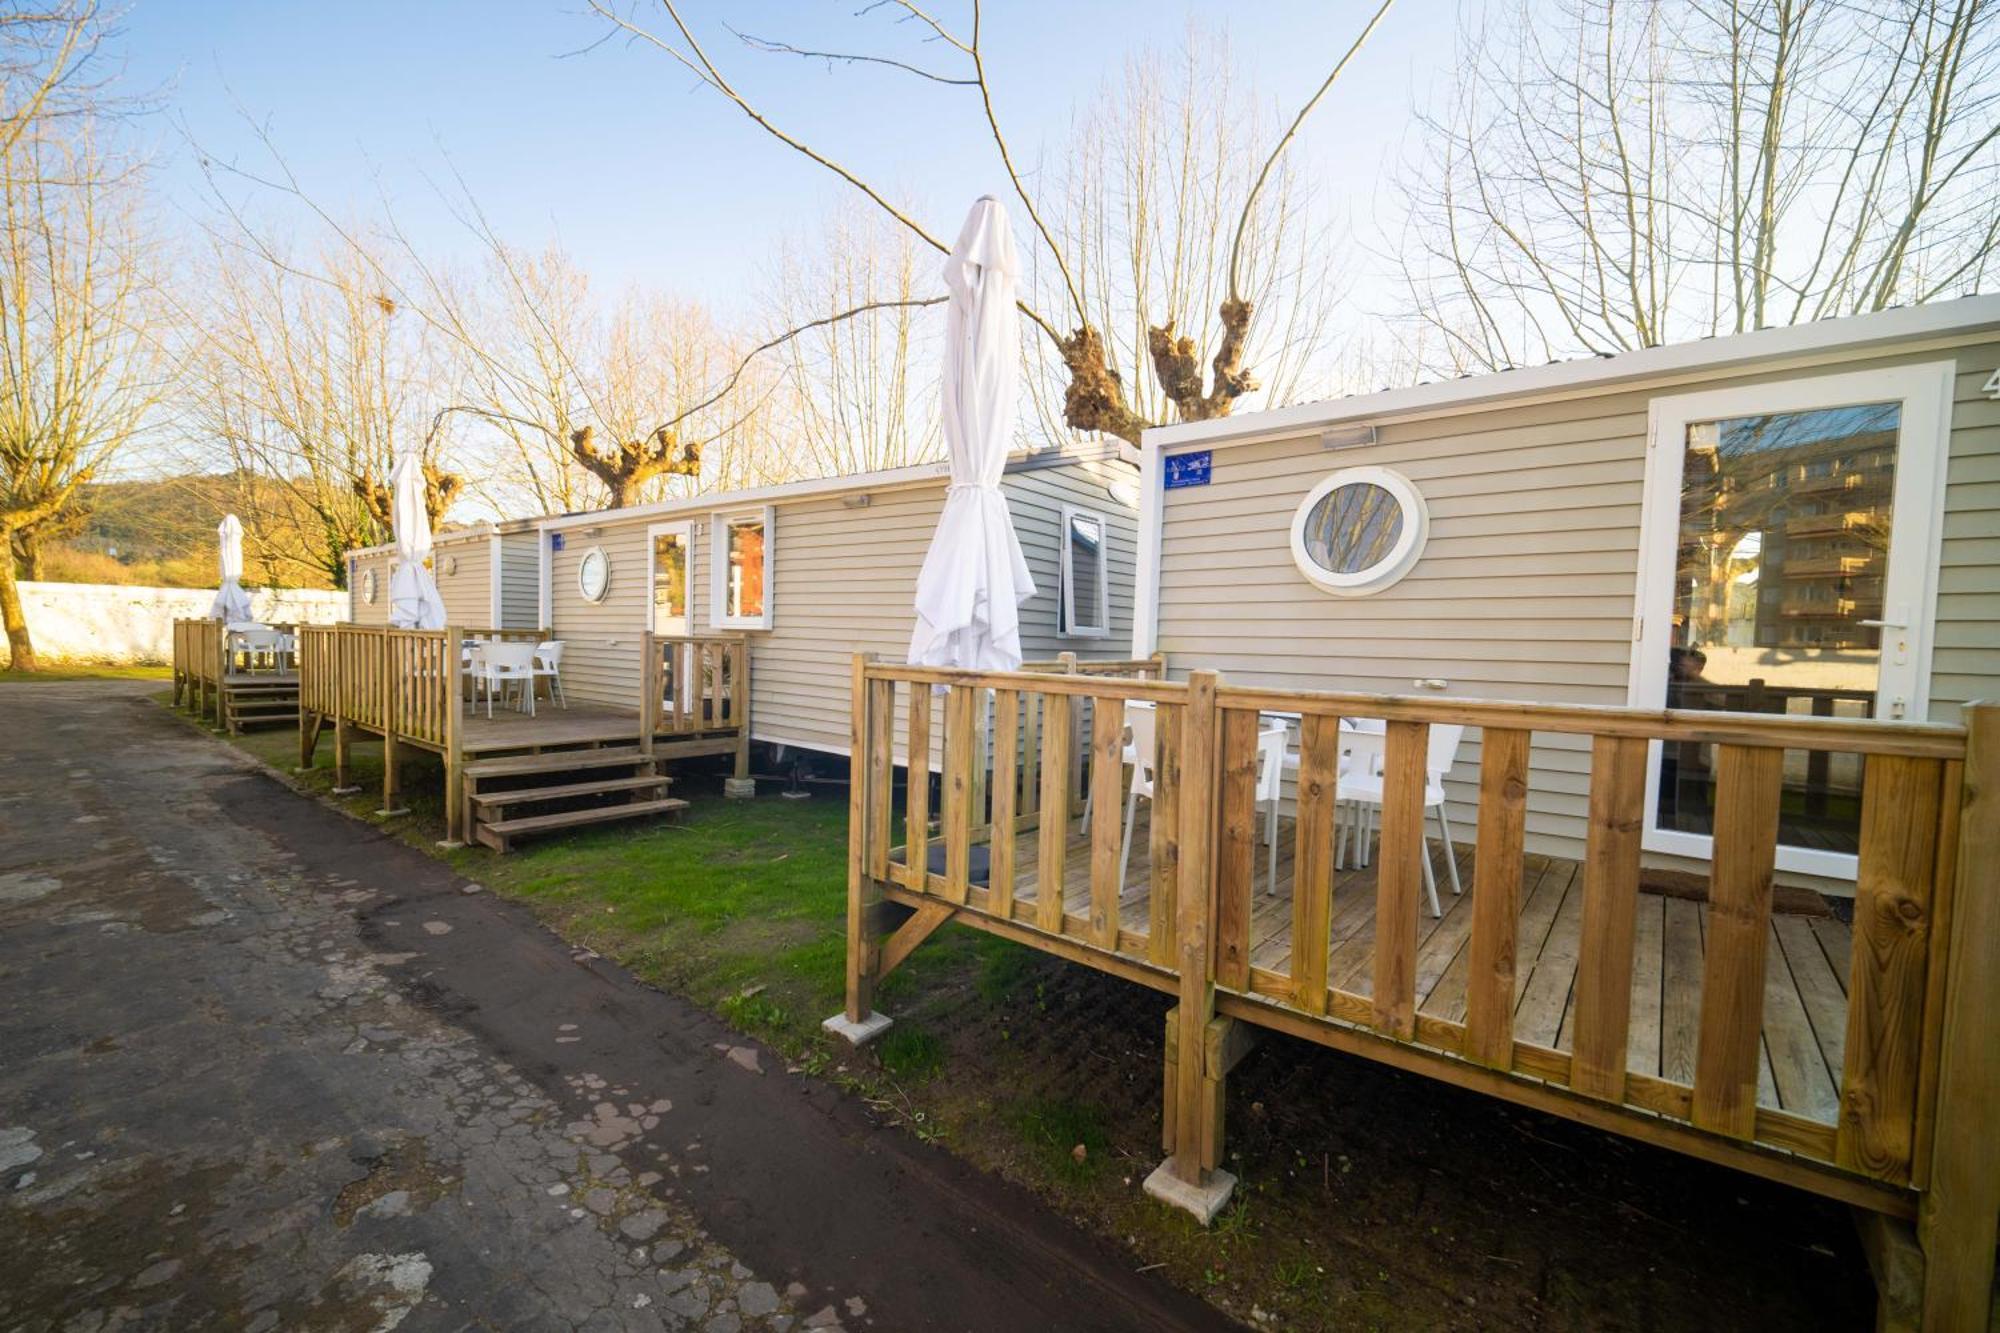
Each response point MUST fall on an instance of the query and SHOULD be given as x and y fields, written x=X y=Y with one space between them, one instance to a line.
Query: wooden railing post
x=650 y=686
x=219 y=663
x=1956 y=1222
x=739 y=706
x=390 y=687
x=1184 y=1179
x=859 y=1022
x=454 y=719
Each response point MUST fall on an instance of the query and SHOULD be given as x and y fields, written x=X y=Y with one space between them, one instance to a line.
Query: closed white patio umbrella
x=974 y=578
x=232 y=604
x=413 y=594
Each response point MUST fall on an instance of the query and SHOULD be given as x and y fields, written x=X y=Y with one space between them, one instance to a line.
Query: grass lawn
x=1368 y=1198
x=87 y=671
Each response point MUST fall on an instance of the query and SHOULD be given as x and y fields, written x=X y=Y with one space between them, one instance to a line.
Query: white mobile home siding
x=843 y=581
x=1526 y=587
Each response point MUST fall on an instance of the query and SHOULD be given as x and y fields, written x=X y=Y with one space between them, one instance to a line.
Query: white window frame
x=1910 y=583
x=1402 y=557
x=718 y=566
x=582 y=561
x=1066 y=601
x=683 y=529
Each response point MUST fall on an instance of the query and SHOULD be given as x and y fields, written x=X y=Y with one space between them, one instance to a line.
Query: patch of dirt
x=1369 y=1197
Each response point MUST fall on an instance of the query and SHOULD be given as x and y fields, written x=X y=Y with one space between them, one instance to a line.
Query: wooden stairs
x=253 y=703
x=519 y=795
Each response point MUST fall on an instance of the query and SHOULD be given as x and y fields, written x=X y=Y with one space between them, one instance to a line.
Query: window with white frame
x=1359 y=531
x=1084 y=611
x=740 y=569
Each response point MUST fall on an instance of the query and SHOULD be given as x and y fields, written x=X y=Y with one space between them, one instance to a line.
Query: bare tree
x=855 y=400
x=1196 y=382
x=586 y=404
x=1610 y=175
x=82 y=371
x=310 y=377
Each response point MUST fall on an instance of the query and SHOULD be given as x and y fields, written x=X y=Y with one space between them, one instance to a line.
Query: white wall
x=102 y=622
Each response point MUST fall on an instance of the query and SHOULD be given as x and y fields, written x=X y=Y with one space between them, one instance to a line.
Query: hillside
x=162 y=533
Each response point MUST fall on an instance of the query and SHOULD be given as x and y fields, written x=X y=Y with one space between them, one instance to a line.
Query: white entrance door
x=671 y=547
x=1788 y=559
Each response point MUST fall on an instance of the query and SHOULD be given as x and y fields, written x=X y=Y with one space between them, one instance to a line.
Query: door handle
x=1884 y=624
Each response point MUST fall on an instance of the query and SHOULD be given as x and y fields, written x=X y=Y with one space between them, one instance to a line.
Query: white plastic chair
x=503 y=662
x=1363 y=757
x=1272 y=744
x=261 y=642
x=1142 y=754
x=548 y=666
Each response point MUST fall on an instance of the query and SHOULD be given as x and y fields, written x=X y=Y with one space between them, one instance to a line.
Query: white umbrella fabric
x=413 y=594
x=974 y=578
x=232 y=604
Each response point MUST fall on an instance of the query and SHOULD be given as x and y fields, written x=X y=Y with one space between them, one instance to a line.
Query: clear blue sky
x=646 y=176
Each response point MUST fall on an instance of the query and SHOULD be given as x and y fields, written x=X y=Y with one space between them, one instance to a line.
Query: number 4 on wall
x=1992 y=386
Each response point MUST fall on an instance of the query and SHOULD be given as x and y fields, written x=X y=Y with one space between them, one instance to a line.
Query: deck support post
x=1186 y=1180
x=1960 y=1211
x=858 y=1022
x=1224 y=1042
x=455 y=822
x=343 y=743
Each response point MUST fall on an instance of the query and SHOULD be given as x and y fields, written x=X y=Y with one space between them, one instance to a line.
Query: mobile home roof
x=1828 y=337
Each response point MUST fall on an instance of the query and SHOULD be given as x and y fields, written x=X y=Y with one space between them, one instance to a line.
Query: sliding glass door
x=1787 y=567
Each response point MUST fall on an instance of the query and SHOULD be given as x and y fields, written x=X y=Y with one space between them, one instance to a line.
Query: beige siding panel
x=464 y=573
x=843 y=581
x=362 y=612
x=601 y=639
x=1490 y=609
x=520 y=580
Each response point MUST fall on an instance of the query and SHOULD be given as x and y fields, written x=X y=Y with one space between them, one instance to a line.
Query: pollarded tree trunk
x=21 y=648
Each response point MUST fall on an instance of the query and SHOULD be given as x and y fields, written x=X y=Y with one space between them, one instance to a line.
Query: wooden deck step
x=500 y=834
x=529 y=795
x=553 y=761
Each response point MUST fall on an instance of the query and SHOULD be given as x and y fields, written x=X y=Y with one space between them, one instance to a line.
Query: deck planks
x=1804 y=1001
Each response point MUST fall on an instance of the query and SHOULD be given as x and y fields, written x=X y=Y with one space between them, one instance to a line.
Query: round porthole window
x=1359 y=531
x=450 y=565
x=593 y=575
x=368 y=586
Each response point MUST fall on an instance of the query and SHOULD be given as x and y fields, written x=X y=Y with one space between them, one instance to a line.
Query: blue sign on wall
x=1187 y=469
x=555 y=541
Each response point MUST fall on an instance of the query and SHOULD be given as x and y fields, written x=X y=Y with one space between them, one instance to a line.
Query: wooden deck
x=1805 y=997
x=552 y=726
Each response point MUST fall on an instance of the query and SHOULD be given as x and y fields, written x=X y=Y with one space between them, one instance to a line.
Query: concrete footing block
x=739 y=789
x=858 y=1034
x=1204 y=1201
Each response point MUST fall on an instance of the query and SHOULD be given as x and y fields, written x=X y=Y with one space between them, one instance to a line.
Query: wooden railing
x=199 y=666
x=694 y=686
x=694 y=683
x=1922 y=984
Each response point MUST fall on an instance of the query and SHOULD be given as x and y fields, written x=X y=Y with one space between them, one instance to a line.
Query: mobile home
x=1802 y=520
x=812 y=572
x=488 y=574
x=1651 y=633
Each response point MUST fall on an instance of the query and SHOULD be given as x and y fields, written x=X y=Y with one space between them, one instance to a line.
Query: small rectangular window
x=740 y=582
x=1085 y=609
